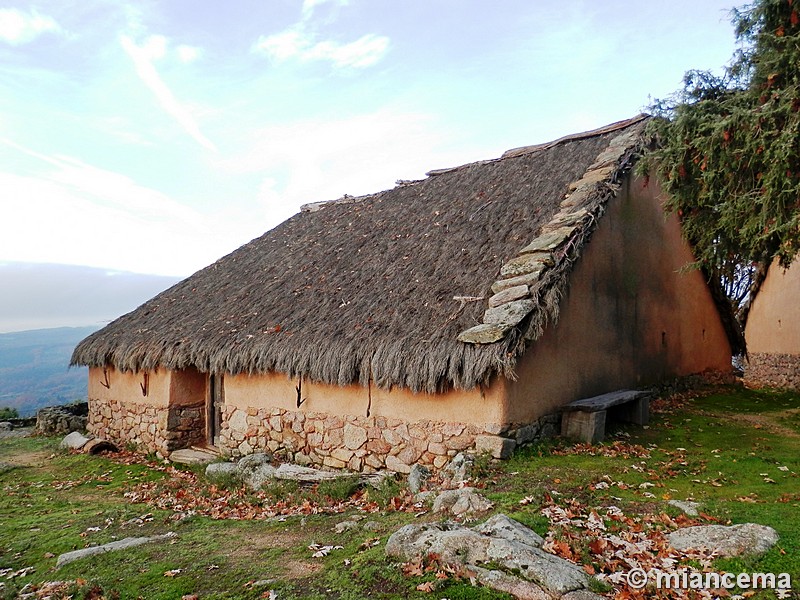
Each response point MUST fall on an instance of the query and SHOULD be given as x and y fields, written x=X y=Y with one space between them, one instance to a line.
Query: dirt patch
x=768 y=422
x=298 y=569
x=255 y=542
x=37 y=458
x=251 y=545
x=17 y=457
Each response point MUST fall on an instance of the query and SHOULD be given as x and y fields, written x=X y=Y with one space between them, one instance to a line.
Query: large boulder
x=733 y=540
x=254 y=470
x=521 y=589
x=251 y=462
x=501 y=526
x=452 y=542
x=500 y=541
x=302 y=474
x=260 y=476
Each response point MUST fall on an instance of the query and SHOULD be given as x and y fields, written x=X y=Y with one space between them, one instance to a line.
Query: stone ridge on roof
x=524 y=277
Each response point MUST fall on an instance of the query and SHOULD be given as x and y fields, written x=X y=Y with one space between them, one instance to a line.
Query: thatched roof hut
x=379 y=287
x=461 y=311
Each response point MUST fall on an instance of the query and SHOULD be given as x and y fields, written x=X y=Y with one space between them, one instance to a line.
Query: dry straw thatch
x=363 y=290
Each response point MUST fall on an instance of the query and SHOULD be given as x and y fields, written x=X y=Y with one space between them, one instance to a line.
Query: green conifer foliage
x=727 y=148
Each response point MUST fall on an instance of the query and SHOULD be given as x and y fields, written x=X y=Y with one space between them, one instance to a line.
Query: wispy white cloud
x=309 y=6
x=17 y=27
x=299 y=42
x=153 y=48
x=188 y=54
x=364 y=52
x=78 y=213
x=294 y=43
x=314 y=160
x=143 y=56
x=284 y=45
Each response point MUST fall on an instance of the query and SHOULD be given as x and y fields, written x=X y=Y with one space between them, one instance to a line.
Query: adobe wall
x=773 y=330
x=355 y=427
x=632 y=315
x=161 y=414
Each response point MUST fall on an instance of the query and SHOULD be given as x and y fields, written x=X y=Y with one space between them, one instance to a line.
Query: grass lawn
x=734 y=451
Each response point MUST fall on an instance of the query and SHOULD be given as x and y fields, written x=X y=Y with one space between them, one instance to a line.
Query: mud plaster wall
x=773 y=331
x=275 y=390
x=773 y=325
x=632 y=316
x=170 y=415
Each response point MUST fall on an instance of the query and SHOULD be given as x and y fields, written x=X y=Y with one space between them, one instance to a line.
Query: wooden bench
x=585 y=419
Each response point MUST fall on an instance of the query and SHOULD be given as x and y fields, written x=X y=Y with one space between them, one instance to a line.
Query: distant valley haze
x=45 y=310
x=40 y=296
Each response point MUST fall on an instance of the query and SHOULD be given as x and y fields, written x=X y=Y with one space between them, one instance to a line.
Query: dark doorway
x=216 y=400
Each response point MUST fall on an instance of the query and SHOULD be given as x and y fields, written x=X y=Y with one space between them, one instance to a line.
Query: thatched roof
x=384 y=287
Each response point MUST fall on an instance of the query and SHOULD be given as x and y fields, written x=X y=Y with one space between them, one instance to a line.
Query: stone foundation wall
x=365 y=443
x=353 y=442
x=57 y=420
x=773 y=370
x=186 y=426
x=148 y=427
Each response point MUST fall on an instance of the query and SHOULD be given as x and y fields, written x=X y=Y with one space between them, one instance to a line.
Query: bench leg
x=636 y=412
x=589 y=427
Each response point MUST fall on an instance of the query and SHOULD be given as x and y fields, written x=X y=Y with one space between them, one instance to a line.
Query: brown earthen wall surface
x=480 y=407
x=773 y=325
x=126 y=386
x=631 y=317
x=773 y=331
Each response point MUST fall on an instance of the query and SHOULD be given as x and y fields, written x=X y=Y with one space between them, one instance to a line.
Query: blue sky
x=155 y=137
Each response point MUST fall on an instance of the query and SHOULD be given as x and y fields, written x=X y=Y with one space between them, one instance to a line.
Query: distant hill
x=34 y=368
